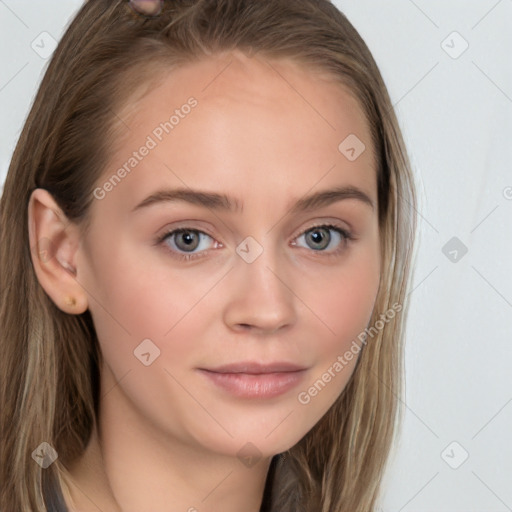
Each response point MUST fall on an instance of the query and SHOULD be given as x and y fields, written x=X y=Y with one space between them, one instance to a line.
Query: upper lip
x=256 y=368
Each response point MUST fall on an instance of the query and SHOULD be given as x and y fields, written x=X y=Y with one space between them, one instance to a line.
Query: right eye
x=184 y=241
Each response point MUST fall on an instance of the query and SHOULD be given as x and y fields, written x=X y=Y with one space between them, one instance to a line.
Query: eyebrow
x=223 y=202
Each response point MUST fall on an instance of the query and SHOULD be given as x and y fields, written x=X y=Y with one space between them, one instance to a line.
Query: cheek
x=123 y=300
x=344 y=302
x=138 y=299
x=344 y=298
x=149 y=302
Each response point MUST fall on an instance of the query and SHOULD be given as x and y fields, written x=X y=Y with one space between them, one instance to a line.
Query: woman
x=206 y=236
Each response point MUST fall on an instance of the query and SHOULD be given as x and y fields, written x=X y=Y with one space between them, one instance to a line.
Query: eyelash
x=346 y=235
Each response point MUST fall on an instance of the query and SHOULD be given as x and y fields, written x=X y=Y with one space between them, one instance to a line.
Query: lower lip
x=266 y=385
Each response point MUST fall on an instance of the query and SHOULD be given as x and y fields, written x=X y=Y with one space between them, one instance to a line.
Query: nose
x=261 y=295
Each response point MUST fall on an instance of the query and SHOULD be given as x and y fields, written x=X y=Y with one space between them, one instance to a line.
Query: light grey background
x=455 y=109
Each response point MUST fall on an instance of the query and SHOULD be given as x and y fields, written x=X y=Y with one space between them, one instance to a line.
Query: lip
x=263 y=385
x=255 y=380
x=255 y=368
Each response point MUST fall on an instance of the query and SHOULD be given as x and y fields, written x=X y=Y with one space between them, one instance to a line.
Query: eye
x=320 y=237
x=186 y=241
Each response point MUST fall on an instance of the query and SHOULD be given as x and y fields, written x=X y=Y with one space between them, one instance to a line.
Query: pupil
x=187 y=237
x=318 y=235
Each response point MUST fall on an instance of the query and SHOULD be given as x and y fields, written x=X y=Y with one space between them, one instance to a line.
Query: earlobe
x=54 y=241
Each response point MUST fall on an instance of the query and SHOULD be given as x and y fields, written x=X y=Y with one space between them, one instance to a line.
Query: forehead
x=264 y=121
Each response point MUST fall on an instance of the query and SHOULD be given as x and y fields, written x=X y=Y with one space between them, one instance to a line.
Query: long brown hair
x=49 y=365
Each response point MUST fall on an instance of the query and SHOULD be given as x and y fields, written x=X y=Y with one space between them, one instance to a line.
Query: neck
x=131 y=466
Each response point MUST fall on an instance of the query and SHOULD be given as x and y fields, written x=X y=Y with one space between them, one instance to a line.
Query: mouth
x=256 y=368
x=255 y=380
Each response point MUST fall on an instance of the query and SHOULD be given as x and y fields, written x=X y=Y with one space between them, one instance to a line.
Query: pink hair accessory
x=147 y=7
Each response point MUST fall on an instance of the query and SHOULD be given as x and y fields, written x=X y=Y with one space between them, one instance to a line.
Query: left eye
x=190 y=243
x=319 y=237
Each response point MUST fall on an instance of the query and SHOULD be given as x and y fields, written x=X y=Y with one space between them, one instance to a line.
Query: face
x=256 y=274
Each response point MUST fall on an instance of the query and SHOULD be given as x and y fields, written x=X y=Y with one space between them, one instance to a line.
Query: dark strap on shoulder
x=52 y=493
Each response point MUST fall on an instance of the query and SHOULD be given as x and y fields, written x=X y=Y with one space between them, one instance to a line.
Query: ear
x=54 y=241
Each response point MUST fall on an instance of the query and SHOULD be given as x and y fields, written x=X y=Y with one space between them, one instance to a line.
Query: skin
x=266 y=133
